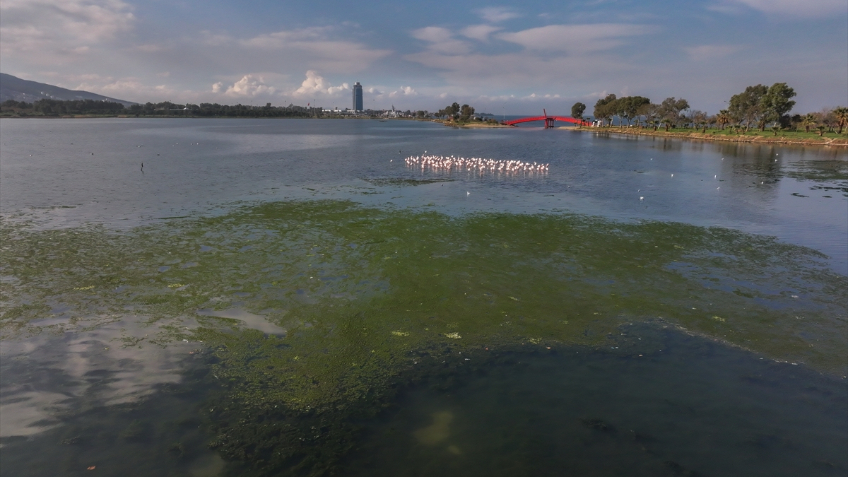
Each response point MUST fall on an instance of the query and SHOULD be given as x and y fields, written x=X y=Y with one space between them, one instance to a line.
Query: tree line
x=757 y=107
x=456 y=112
x=53 y=107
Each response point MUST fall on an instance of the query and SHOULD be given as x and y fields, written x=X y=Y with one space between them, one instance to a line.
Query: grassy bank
x=754 y=136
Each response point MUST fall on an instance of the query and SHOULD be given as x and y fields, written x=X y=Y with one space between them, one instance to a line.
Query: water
x=265 y=294
x=194 y=166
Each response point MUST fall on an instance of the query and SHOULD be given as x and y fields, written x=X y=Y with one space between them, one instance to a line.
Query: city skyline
x=512 y=59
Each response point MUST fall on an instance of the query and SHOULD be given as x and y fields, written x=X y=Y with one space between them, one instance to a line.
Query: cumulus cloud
x=61 y=26
x=575 y=38
x=316 y=85
x=248 y=86
x=497 y=14
x=787 y=8
x=403 y=91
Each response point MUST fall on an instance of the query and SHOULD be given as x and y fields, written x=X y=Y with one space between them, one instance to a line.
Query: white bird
x=467 y=193
x=672 y=175
x=641 y=198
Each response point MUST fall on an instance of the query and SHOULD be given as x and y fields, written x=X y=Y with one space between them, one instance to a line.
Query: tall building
x=357 y=97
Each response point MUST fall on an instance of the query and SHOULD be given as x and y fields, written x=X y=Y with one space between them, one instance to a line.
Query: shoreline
x=693 y=136
x=737 y=138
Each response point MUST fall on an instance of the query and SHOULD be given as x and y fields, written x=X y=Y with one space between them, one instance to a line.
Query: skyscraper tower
x=357 y=97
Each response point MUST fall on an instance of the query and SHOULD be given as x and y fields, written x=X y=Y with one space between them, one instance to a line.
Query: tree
x=670 y=109
x=644 y=111
x=633 y=107
x=841 y=114
x=747 y=106
x=826 y=118
x=577 y=111
x=723 y=118
x=808 y=121
x=775 y=103
x=465 y=112
x=604 y=108
x=653 y=114
x=699 y=120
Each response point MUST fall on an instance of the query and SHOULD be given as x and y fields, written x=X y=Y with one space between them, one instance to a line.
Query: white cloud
x=403 y=91
x=789 y=8
x=575 y=38
x=316 y=85
x=249 y=86
x=441 y=40
x=479 y=32
x=497 y=14
x=51 y=27
x=709 y=52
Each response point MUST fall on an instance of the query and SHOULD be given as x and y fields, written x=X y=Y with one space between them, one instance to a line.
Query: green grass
x=768 y=133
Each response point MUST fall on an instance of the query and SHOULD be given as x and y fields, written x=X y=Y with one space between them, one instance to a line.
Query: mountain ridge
x=14 y=88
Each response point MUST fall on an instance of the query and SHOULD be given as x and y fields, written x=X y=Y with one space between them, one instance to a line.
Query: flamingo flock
x=474 y=164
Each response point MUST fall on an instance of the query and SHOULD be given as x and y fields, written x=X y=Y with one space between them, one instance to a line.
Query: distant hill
x=12 y=87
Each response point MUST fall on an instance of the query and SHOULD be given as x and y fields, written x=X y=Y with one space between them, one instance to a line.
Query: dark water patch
x=649 y=401
x=694 y=408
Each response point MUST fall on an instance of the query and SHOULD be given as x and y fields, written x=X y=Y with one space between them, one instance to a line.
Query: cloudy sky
x=516 y=58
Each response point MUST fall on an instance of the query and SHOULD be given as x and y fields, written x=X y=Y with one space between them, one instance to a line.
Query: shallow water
x=289 y=288
x=657 y=403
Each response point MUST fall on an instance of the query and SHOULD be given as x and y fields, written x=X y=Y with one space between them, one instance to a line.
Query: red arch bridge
x=549 y=120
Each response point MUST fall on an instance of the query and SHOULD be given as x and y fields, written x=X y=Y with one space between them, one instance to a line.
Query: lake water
x=289 y=297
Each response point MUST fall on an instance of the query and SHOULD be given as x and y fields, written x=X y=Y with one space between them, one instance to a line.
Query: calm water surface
x=572 y=370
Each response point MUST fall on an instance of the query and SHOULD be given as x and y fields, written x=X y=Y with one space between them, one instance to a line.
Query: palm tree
x=841 y=114
x=667 y=123
x=821 y=130
x=808 y=121
x=723 y=118
x=776 y=129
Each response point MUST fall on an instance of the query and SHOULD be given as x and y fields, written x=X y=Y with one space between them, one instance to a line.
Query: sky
x=512 y=58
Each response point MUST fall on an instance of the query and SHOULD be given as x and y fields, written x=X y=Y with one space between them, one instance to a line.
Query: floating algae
x=357 y=324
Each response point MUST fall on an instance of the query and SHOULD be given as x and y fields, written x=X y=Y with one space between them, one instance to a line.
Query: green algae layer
x=317 y=310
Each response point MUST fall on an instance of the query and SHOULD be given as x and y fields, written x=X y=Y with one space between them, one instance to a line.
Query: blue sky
x=513 y=58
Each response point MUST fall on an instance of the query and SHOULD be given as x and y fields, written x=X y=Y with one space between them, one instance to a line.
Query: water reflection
x=65 y=372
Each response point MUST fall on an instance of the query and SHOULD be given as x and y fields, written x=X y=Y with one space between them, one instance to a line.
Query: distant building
x=357 y=97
